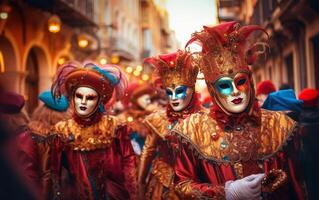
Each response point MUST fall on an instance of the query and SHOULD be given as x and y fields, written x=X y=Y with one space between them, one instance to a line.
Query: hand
x=246 y=188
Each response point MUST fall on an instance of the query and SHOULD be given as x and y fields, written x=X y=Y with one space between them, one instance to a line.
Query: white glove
x=136 y=147
x=247 y=188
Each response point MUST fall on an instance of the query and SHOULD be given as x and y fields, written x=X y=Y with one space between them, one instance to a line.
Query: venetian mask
x=85 y=101
x=233 y=93
x=179 y=97
x=144 y=101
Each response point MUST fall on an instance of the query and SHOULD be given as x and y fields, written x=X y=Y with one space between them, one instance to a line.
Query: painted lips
x=83 y=108
x=175 y=104
x=237 y=101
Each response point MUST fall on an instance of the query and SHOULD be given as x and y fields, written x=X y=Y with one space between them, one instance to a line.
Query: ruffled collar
x=193 y=107
x=95 y=118
x=224 y=120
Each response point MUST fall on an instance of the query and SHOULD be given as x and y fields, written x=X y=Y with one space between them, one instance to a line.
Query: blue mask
x=178 y=93
x=225 y=86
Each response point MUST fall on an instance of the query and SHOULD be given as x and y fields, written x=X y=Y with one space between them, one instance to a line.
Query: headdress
x=179 y=68
x=225 y=52
x=134 y=91
x=60 y=104
x=309 y=96
x=11 y=102
x=107 y=80
x=265 y=87
x=224 y=49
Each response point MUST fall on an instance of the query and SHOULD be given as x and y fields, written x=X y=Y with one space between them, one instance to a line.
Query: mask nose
x=174 y=96
x=83 y=100
x=235 y=91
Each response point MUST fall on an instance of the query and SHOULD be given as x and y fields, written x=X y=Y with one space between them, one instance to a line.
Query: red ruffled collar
x=96 y=117
x=230 y=120
x=193 y=107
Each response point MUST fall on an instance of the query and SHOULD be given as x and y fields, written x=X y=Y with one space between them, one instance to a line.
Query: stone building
x=293 y=27
x=29 y=52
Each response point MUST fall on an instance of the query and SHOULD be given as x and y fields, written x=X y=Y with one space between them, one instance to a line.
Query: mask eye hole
x=78 y=95
x=241 y=81
x=224 y=86
x=179 y=90
x=169 y=93
x=91 y=97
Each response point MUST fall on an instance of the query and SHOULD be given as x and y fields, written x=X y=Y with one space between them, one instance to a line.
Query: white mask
x=179 y=97
x=233 y=93
x=85 y=101
x=144 y=101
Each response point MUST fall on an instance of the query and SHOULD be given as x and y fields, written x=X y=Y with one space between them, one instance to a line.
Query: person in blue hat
x=284 y=100
x=34 y=143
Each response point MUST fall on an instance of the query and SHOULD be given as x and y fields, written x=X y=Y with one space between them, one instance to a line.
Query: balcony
x=124 y=48
x=75 y=13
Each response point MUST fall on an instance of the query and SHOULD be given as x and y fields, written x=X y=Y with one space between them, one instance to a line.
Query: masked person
x=92 y=147
x=237 y=150
x=177 y=72
x=33 y=145
x=138 y=104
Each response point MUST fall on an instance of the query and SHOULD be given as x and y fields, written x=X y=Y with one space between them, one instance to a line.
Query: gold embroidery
x=96 y=136
x=242 y=143
x=158 y=123
x=163 y=171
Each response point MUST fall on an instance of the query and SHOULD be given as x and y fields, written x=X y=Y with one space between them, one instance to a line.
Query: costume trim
x=271 y=138
x=85 y=138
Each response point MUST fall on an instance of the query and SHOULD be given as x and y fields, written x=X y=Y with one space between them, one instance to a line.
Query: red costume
x=176 y=70
x=91 y=157
x=231 y=142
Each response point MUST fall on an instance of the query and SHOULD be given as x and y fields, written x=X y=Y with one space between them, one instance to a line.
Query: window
x=290 y=70
x=315 y=56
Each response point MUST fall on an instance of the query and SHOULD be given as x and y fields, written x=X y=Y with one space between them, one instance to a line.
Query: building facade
x=293 y=28
x=29 y=52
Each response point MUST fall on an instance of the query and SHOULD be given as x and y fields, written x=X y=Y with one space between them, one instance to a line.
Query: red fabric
x=97 y=173
x=206 y=175
x=309 y=96
x=223 y=119
x=265 y=87
x=11 y=102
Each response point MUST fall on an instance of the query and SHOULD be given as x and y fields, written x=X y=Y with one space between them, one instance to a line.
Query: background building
x=37 y=36
x=31 y=46
x=293 y=27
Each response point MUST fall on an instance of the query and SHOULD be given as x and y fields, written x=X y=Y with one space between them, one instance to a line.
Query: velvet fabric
x=55 y=170
x=97 y=174
x=206 y=177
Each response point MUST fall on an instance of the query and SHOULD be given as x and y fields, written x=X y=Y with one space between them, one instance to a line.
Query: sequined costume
x=158 y=152
x=223 y=145
x=92 y=157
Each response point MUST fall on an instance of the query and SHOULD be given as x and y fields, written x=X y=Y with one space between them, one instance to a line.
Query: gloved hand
x=247 y=188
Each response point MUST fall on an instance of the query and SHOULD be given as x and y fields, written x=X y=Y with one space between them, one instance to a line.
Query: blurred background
x=37 y=36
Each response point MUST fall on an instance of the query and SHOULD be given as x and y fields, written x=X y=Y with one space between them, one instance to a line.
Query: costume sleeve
x=187 y=183
x=128 y=162
x=147 y=156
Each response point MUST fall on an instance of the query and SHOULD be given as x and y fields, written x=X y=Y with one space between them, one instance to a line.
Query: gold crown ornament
x=178 y=68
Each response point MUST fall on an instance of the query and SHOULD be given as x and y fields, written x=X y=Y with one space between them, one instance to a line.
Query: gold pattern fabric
x=163 y=172
x=158 y=123
x=186 y=191
x=242 y=143
x=86 y=138
x=160 y=183
x=181 y=68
